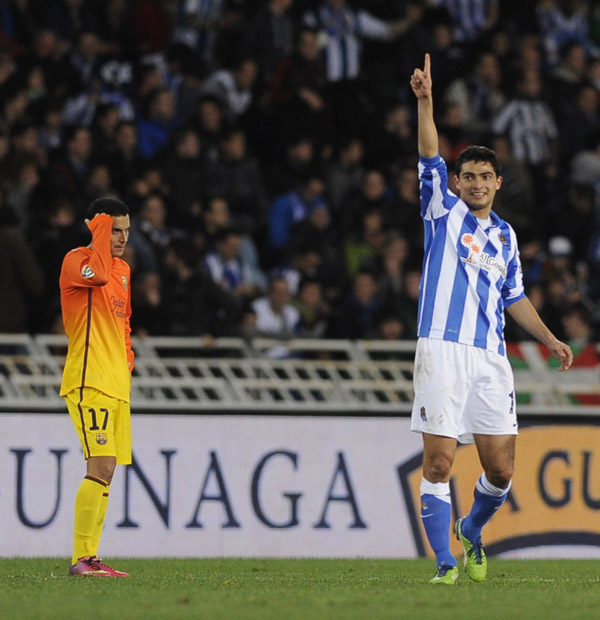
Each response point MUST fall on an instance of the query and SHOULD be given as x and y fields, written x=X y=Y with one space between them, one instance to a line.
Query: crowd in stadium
x=267 y=152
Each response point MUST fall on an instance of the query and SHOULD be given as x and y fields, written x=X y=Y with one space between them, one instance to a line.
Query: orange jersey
x=96 y=306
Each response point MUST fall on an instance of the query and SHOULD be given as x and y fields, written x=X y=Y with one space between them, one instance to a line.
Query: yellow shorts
x=102 y=422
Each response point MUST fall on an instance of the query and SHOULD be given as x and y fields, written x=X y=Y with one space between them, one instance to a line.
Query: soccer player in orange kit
x=96 y=307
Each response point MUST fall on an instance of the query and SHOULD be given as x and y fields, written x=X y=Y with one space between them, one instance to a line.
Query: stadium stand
x=76 y=89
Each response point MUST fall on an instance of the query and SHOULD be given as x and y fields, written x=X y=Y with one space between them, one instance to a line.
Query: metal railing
x=230 y=375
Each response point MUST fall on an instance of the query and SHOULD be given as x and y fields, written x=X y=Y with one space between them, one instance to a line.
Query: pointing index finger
x=427 y=67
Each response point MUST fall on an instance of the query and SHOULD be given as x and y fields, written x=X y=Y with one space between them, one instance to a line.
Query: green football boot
x=474 y=560
x=445 y=574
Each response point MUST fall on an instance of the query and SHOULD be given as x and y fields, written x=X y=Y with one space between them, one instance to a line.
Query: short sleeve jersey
x=470 y=273
x=96 y=308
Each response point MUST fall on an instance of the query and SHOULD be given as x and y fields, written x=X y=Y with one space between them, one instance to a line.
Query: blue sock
x=436 y=513
x=488 y=499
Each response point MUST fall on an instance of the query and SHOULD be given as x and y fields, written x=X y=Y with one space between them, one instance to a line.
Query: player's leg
x=90 y=513
x=436 y=509
x=440 y=393
x=92 y=414
x=121 y=432
x=89 y=522
x=91 y=502
x=497 y=457
x=491 y=419
x=97 y=533
x=103 y=468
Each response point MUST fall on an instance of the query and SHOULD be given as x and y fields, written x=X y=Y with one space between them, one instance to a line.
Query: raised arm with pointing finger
x=421 y=84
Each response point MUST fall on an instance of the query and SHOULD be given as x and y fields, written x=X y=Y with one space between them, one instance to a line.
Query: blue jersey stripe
x=434 y=267
x=460 y=285
x=500 y=324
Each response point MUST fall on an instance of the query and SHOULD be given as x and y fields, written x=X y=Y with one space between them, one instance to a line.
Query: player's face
x=477 y=185
x=120 y=235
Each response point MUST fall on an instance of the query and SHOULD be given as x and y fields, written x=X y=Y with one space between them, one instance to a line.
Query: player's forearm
x=527 y=317
x=427 y=133
x=100 y=261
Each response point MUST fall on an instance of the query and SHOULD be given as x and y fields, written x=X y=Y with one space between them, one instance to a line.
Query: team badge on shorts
x=423 y=414
x=101 y=438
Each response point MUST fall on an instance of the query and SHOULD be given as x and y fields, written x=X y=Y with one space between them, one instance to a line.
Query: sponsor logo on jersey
x=477 y=257
x=87 y=272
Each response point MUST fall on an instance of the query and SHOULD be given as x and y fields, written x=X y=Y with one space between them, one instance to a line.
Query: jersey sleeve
x=433 y=176
x=93 y=267
x=513 y=288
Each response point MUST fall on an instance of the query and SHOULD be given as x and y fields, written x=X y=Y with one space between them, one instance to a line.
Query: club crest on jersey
x=87 y=272
x=101 y=438
x=125 y=285
x=479 y=258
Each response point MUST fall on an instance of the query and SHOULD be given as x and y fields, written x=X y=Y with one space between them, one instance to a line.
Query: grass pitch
x=294 y=589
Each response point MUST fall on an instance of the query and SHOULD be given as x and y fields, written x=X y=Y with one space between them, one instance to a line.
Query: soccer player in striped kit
x=464 y=388
x=95 y=296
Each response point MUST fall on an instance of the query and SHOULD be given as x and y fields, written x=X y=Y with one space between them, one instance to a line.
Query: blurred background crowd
x=267 y=151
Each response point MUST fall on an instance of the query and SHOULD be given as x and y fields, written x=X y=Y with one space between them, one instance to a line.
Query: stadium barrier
x=230 y=375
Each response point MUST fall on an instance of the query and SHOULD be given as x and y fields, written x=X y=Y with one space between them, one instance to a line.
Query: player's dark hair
x=110 y=206
x=476 y=154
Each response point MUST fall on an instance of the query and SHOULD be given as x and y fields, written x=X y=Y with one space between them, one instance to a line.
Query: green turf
x=251 y=589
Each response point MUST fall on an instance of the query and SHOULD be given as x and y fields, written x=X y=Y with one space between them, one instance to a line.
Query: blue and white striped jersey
x=469 y=274
x=470 y=17
x=343 y=29
x=531 y=128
